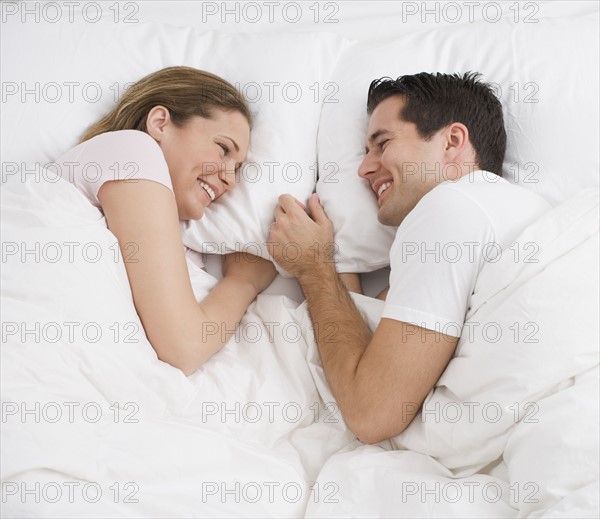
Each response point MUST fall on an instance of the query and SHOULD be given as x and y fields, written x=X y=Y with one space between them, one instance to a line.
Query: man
x=434 y=151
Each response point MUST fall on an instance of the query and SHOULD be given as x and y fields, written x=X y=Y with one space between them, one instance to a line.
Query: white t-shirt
x=443 y=243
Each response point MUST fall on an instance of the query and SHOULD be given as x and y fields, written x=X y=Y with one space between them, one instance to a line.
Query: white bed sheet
x=256 y=431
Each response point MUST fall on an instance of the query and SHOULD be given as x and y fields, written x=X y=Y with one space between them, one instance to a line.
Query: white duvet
x=94 y=425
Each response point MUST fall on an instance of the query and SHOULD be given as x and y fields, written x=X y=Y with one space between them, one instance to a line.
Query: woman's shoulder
x=125 y=149
x=131 y=144
x=118 y=155
x=132 y=153
x=135 y=141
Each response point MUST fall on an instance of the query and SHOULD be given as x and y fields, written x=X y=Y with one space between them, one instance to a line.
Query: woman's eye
x=225 y=148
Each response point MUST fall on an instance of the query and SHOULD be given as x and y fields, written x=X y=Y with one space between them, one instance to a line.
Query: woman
x=169 y=148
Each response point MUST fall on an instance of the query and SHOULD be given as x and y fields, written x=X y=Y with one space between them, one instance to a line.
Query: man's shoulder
x=471 y=186
x=479 y=193
x=480 y=205
x=481 y=184
x=453 y=201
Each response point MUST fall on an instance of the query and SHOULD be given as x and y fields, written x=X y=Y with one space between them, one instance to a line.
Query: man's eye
x=382 y=143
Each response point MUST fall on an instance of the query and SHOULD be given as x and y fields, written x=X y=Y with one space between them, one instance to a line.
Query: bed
x=94 y=425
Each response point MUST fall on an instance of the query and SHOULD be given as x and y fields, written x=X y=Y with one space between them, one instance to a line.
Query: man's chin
x=384 y=219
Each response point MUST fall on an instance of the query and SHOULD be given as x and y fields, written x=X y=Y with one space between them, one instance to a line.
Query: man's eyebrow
x=237 y=148
x=374 y=136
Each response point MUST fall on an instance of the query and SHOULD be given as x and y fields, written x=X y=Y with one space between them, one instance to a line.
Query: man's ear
x=457 y=142
x=156 y=122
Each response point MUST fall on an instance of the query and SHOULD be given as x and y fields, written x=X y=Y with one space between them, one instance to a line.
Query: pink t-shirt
x=128 y=155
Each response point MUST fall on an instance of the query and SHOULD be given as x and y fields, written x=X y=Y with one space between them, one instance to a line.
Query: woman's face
x=202 y=155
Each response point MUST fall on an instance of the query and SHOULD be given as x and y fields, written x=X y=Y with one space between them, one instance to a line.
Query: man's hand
x=250 y=270
x=299 y=243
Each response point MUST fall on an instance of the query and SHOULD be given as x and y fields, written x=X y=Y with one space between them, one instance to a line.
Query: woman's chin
x=196 y=212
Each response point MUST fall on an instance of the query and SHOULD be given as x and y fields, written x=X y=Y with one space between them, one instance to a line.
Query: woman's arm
x=351 y=281
x=353 y=284
x=383 y=294
x=184 y=333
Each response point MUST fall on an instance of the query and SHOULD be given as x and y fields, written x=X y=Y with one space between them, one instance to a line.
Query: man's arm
x=380 y=380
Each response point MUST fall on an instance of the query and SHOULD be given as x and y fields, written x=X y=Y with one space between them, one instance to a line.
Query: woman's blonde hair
x=184 y=91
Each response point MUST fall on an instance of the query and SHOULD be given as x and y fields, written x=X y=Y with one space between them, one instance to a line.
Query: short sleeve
x=435 y=259
x=128 y=155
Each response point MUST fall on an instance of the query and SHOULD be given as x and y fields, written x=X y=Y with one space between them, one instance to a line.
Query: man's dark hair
x=434 y=101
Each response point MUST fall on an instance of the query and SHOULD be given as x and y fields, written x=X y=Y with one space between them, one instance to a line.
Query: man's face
x=400 y=166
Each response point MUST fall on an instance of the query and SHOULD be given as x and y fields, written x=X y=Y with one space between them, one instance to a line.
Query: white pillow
x=285 y=77
x=547 y=77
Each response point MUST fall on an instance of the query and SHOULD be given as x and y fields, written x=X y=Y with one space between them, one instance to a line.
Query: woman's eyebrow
x=237 y=148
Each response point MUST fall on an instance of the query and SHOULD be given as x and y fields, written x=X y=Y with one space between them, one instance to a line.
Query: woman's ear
x=157 y=121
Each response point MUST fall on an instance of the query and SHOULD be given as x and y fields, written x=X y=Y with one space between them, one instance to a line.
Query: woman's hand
x=249 y=269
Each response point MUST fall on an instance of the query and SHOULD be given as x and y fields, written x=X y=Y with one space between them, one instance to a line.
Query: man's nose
x=367 y=167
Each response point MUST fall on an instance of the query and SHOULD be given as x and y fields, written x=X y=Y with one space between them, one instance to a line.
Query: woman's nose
x=228 y=174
